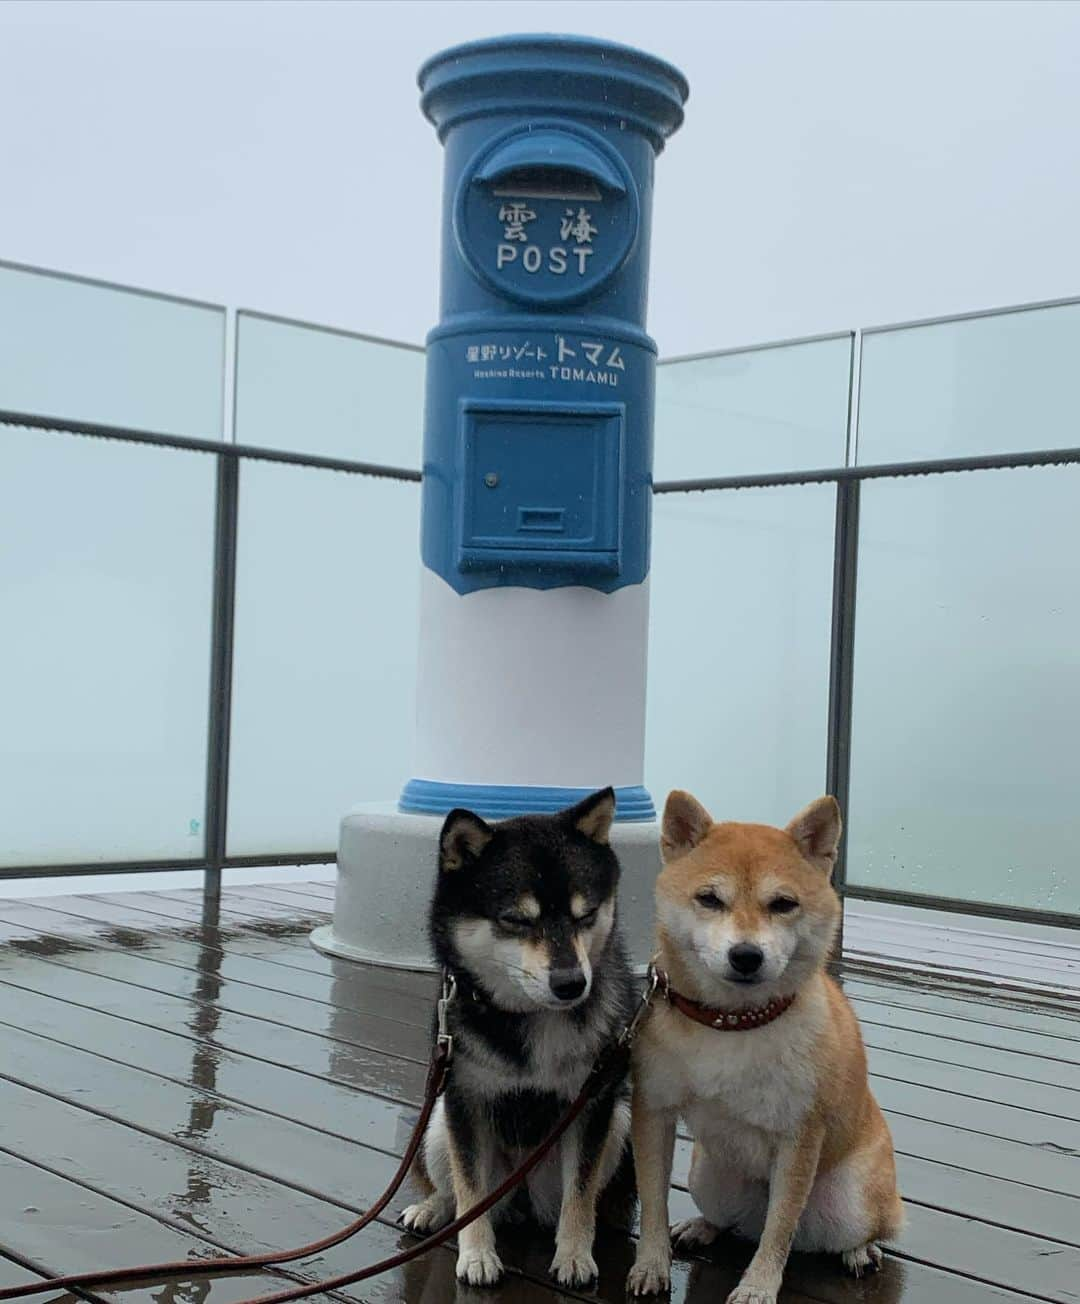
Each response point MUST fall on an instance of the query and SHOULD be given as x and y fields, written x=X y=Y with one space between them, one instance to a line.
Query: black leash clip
x=626 y=1037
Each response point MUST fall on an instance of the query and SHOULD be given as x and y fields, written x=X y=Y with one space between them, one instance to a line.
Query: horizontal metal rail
x=879 y=471
x=200 y=865
x=766 y=480
x=218 y=447
x=961 y=906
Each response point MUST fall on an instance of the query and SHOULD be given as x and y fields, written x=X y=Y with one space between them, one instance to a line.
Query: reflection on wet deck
x=170 y=1087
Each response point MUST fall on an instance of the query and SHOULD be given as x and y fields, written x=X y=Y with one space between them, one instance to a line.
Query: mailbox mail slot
x=547 y=215
x=541 y=485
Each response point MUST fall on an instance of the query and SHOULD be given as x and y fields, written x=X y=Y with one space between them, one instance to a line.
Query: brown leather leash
x=610 y=1065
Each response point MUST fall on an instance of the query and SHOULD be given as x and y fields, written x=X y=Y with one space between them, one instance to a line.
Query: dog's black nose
x=745 y=957
x=567 y=984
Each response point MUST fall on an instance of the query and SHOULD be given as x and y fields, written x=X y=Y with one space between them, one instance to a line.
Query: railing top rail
x=881 y=471
x=974 y=314
x=763 y=346
x=821 y=475
x=96 y=282
x=219 y=447
x=252 y=314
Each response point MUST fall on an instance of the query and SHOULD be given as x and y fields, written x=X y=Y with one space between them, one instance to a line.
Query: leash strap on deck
x=436 y=1080
x=610 y=1066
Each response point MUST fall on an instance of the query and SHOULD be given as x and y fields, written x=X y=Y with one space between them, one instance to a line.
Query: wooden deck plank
x=958 y=1147
x=973 y=1024
x=259 y=973
x=999 y=1012
x=998 y=1201
x=1031 y=1045
x=1044 y=1132
x=978 y=1084
x=283 y=939
x=317 y=894
x=252 y=913
x=359 y=1117
x=412 y=1043
x=971 y=973
x=882 y=1027
x=336 y=986
x=323 y=1103
x=368 y=1069
x=377 y=1122
x=989 y=1158
x=992 y=1156
x=899 y=1282
x=966 y=1054
x=151 y=987
x=243 y=1210
x=70 y=1225
x=265 y=1151
x=337 y=1022
x=989 y=1117
x=234 y=1209
x=992 y=952
x=1018 y=1261
x=942 y=931
x=16 y=1274
x=998 y=1119
x=286 y=947
x=1013 y=966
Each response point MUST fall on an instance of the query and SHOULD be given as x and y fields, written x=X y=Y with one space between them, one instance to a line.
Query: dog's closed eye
x=710 y=900
x=783 y=905
x=516 y=923
x=587 y=919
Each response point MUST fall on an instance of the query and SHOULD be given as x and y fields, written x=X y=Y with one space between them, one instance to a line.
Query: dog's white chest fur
x=735 y=1090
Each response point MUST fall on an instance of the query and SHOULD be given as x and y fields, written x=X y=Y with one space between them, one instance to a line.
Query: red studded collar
x=723 y=1020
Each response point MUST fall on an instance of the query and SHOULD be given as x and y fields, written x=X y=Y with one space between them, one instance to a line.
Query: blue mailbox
x=537 y=488
x=540 y=375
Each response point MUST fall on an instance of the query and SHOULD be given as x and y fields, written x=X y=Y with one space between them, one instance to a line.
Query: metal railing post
x=221 y=665
x=841 y=665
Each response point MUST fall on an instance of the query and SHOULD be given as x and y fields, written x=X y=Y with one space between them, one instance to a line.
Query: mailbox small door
x=541 y=484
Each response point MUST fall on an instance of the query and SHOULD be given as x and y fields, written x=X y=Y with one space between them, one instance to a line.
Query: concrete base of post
x=386 y=867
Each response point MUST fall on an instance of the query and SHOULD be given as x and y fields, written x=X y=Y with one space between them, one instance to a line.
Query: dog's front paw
x=693 y=1234
x=574 y=1266
x=426 y=1216
x=867 y=1258
x=751 y=1295
x=479 y=1267
x=651 y=1273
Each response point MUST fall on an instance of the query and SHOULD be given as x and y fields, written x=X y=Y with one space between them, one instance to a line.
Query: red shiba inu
x=758 y=1050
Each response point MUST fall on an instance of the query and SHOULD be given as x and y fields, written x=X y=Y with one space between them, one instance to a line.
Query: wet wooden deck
x=169 y=1088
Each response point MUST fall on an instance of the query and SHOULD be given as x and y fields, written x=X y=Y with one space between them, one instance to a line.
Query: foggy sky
x=842 y=164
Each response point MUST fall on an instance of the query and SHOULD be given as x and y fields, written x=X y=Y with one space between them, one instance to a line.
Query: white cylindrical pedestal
x=531 y=687
x=386 y=878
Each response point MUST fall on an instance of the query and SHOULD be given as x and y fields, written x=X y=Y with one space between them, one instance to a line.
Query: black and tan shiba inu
x=524 y=919
x=758 y=1050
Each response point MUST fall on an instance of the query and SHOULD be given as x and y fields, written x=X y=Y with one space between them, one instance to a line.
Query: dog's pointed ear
x=816 y=831
x=685 y=823
x=463 y=837
x=594 y=815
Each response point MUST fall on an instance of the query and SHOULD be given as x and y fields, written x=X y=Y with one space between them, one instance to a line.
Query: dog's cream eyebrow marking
x=578 y=905
x=529 y=907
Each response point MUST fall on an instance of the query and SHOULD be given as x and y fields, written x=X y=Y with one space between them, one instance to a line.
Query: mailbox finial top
x=522 y=75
